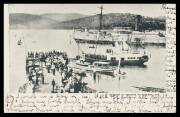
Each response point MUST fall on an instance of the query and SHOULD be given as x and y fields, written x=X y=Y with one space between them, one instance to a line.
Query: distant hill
x=70 y=21
x=21 y=20
x=44 y=21
x=63 y=17
x=113 y=20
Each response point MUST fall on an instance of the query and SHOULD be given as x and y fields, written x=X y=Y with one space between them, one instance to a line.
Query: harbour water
x=152 y=75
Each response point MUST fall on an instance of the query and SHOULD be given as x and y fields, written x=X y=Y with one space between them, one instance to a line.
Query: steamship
x=103 y=46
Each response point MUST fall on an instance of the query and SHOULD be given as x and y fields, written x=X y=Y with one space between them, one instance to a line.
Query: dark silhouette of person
x=37 y=81
x=53 y=84
x=30 y=77
x=94 y=76
x=34 y=88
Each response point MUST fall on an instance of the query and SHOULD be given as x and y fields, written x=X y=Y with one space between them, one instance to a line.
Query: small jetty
x=150 y=89
x=49 y=71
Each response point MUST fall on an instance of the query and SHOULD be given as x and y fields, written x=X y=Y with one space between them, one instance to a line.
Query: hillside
x=113 y=20
x=29 y=21
x=70 y=21
x=63 y=17
x=44 y=21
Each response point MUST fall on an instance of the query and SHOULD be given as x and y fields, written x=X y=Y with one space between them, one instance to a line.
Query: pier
x=49 y=73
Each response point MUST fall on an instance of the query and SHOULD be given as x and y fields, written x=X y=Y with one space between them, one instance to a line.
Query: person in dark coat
x=53 y=84
x=30 y=76
x=34 y=88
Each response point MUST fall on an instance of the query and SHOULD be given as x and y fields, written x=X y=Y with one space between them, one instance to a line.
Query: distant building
x=123 y=30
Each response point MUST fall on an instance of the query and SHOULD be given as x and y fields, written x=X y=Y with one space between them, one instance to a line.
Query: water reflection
x=151 y=74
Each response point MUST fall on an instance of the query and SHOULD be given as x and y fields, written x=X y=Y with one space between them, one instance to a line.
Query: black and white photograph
x=87 y=48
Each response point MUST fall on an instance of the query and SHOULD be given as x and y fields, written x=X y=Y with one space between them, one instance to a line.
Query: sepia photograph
x=86 y=48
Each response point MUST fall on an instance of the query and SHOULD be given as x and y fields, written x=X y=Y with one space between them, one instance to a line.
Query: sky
x=152 y=10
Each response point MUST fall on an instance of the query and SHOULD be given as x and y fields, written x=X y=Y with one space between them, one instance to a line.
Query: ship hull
x=111 y=73
x=128 y=62
x=105 y=71
x=123 y=63
x=78 y=40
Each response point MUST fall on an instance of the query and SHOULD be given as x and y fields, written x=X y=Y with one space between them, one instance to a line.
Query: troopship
x=103 y=46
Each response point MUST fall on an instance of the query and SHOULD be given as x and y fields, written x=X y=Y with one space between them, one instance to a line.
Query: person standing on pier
x=94 y=76
x=37 y=79
x=30 y=76
x=66 y=61
x=34 y=88
x=53 y=68
x=48 y=66
x=53 y=84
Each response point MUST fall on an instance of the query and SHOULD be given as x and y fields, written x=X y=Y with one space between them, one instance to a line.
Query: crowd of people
x=56 y=63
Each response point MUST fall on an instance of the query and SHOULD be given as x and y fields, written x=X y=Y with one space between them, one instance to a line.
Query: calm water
x=153 y=75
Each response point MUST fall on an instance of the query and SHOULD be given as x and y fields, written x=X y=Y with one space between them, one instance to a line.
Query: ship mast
x=100 y=21
x=100 y=26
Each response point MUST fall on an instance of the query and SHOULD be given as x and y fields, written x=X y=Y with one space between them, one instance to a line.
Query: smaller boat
x=78 y=67
x=82 y=63
x=19 y=42
x=92 y=46
x=118 y=73
x=102 y=67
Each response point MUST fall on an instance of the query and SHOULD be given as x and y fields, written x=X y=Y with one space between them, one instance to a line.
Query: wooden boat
x=82 y=63
x=102 y=67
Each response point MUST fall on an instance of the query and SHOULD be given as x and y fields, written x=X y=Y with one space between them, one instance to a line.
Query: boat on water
x=78 y=68
x=113 y=55
x=82 y=63
x=97 y=66
x=102 y=67
x=19 y=42
x=106 y=68
x=106 y=47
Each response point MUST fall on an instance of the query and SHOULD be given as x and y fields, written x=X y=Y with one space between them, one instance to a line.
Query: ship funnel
x=138 y=24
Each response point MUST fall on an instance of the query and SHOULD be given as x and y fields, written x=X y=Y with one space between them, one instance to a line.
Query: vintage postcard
x=90 y=58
